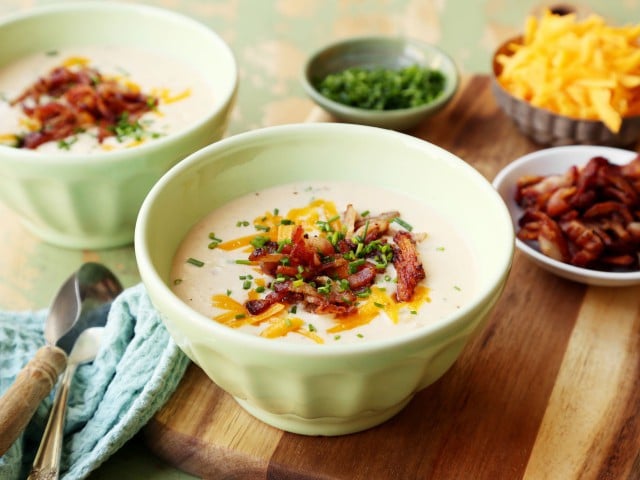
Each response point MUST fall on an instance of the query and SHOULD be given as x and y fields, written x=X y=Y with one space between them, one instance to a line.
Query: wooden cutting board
x=550 y=389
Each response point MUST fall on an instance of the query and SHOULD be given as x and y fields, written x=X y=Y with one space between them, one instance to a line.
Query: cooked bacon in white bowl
x=576 y=211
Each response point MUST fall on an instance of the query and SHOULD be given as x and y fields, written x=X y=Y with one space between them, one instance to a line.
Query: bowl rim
x=585 y=274
x=451 y=85
x=454 y=323
x=144 y=150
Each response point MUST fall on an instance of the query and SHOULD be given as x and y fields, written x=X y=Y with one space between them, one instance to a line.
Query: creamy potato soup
x=324 y=263
x=97 y=98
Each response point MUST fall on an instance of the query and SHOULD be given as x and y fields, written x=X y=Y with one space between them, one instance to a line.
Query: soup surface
x=224 y=264
x=177 y=95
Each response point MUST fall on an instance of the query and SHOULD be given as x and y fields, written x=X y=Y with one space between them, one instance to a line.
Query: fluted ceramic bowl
x=332 y=388
x=92 y=200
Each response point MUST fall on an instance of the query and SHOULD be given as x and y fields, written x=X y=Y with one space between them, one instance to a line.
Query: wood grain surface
x=549 y=389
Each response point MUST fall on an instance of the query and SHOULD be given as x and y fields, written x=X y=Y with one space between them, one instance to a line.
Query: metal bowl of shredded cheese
x=569 y=81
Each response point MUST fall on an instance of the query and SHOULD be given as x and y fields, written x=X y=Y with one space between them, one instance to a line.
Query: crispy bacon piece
x=57 y=120
x=534 y=191
x=364 y=277
x=349 y=221
x=335 y=301
x=67 y=101
x=282 y=292
x=588 y=217
x=408 y=265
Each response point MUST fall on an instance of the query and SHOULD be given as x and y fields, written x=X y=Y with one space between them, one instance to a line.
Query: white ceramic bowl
x=332 y=389
x=558 y=160
x=92 y=201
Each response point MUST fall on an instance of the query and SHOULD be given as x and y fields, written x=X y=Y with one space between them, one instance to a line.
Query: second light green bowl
x=92 y=201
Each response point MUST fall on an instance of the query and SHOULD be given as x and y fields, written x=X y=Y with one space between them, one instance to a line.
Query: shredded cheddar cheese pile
x=582 y=69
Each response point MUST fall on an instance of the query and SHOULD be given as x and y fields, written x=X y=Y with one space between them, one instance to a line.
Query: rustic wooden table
x=548 y=390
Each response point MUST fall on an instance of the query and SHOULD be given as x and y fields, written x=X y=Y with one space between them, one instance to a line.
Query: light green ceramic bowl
x=323 y=389
x=92 y=201
x=379 y=52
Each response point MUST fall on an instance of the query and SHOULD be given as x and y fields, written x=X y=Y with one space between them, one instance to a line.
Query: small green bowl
x=379 y=52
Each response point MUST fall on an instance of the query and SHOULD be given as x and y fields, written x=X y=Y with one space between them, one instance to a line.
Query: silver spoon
x=82 y=301
x=46 y=465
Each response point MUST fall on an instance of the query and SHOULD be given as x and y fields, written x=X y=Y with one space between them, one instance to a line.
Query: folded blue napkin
x=136 y=370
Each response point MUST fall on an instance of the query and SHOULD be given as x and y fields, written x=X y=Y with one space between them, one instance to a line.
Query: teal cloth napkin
x=136 y=370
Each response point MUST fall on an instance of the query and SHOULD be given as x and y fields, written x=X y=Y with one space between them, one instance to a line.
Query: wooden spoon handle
x=33 y=383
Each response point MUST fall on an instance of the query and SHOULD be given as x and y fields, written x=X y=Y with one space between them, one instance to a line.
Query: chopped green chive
x=194 y=261
x=127 y=129
x=65 y=144
x=364 y=294
x=383 y=88
x=259 y=241
x=353 y=266
x=402 y=223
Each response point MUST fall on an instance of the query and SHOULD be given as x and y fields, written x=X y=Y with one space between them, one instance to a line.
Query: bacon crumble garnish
x=408 y=265
x=68 y=101
x=328 y=271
